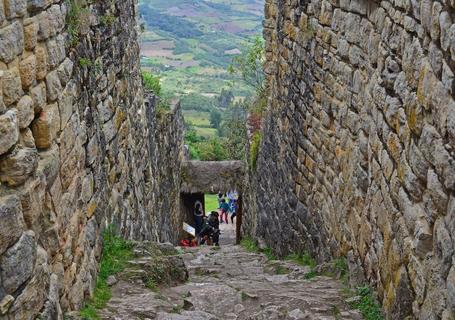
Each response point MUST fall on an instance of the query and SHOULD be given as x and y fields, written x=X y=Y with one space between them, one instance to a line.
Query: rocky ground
x=231 y=283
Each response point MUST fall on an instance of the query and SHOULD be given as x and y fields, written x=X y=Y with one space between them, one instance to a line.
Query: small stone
x=6 y=303
x=73 y=315
x=187 y=305
x=353 y=300
x=9 y=130
x=297 y=314
x=239 y=308
x=111 y=280
x=26 y=138
x=25 y=112
x=167 y=248
x=17 y=166
x=423 y=242
x=249 y=295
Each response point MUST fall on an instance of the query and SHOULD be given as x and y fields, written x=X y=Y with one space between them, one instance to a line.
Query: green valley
x=190 y=44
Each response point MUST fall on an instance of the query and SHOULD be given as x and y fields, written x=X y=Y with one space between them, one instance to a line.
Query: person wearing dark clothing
x=211 y=228
x=220 y=198
x=198 y=216
x=234 y=211
x=224 y=208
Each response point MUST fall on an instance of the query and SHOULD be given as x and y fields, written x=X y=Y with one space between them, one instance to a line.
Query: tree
x=212 y=150
x=234 y=129
x=225 y=98
x=249 y=64
x=215 y=118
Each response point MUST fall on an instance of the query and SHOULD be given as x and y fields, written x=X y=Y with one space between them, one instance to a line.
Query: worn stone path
x=231 y=283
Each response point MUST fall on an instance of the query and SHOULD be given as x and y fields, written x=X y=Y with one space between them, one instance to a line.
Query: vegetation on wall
x=151 y=82
x=254 y=149
x=77 y=15
x=116 y=253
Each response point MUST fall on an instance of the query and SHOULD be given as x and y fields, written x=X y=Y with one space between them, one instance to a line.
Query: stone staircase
x=230 y=283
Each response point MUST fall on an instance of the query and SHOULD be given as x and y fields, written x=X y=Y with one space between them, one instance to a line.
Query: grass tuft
x=269 y=253
x=279 y=269
x=367 y=305
x=250 y=245
x=116 y=253
x=303 y=259
x=151 y=284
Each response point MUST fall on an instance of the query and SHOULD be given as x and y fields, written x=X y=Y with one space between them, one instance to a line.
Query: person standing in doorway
x=220 y=197
x=198 y=216
x=233 y=210
x=224 y=210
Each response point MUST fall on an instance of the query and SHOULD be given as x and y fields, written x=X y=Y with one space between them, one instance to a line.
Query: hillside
x=191 y=43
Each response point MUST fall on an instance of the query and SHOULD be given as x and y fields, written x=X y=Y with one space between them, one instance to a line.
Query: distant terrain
x=190 y=44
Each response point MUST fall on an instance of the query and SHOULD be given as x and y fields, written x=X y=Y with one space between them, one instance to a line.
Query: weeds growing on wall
x=151 y=82
x=254 y=149
x=77 y=14
x=367 y=304
x=116 y=253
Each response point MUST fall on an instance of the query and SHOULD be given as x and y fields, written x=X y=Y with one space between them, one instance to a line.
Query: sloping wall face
x=358 y=144
x=79 y=150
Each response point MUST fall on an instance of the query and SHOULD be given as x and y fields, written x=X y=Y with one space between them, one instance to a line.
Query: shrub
x=367 y=305
x=85 y=62
x=212 y=150
x=151 y=82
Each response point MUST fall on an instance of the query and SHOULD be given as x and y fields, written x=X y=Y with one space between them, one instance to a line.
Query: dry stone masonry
x=80 y=148
x=358 y=145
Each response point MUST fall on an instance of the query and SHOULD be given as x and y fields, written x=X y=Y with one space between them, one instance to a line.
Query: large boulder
x=17 y=166
x=11 y=221
x=16 y=265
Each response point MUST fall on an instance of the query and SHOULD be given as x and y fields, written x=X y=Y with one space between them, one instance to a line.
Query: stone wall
x=357 y=154
x=79 y=150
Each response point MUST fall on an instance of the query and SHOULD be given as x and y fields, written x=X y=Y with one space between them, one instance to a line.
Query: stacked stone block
x=358 y=150
x=79 y=150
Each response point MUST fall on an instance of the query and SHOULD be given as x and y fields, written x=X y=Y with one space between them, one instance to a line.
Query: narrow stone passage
x=231 y=283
